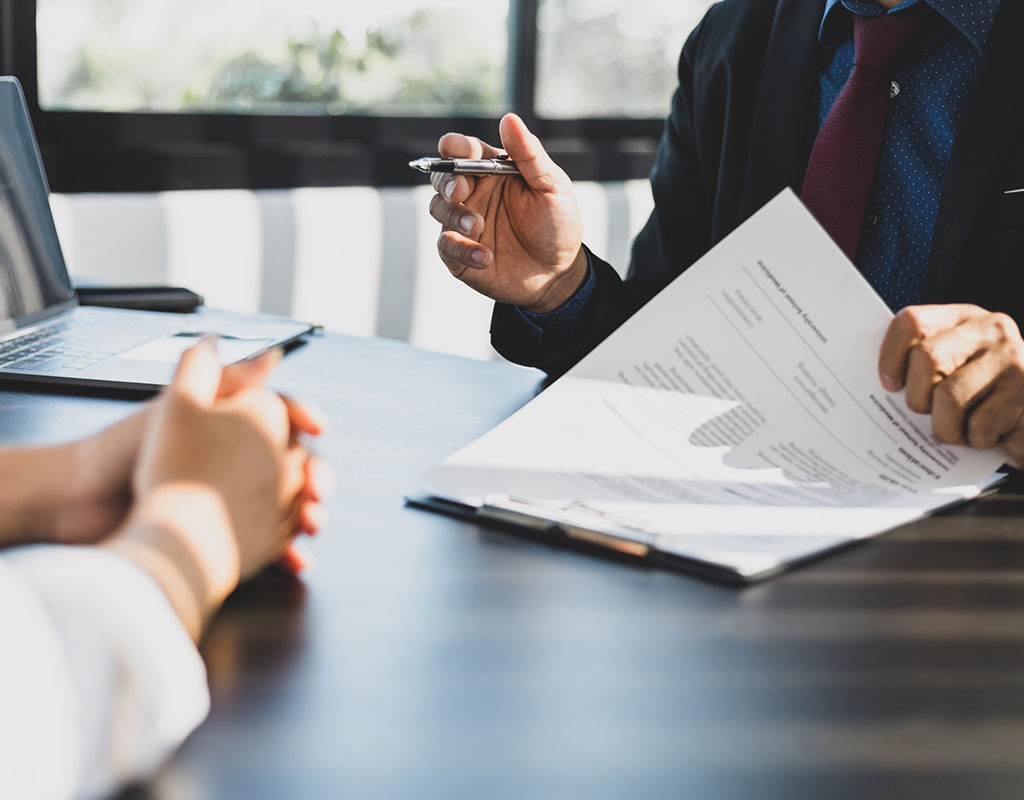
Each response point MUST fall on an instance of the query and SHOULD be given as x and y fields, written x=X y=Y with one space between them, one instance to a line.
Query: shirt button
x=894 y=89
x=871 y=220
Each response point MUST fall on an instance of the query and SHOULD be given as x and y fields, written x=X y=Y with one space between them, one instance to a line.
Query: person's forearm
x=36 y=487
x=180 y=535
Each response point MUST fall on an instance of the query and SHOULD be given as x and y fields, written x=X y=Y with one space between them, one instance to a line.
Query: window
x=164 y=94
x=604 y=58
x=243 y=56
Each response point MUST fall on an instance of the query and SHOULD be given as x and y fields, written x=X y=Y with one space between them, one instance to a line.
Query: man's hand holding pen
x=517 y=240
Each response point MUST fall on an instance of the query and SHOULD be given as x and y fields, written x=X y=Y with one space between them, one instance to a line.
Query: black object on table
x=141 y=298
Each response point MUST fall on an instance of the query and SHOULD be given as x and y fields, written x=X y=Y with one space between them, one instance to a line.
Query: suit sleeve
x=675 y=236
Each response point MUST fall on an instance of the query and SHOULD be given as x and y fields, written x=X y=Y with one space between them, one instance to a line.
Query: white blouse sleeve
x=99 y=681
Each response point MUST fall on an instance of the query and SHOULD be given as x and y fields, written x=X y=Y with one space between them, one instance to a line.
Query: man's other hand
x=964 y=366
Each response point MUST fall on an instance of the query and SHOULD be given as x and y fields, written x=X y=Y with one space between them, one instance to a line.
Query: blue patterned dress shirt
x=933 y=80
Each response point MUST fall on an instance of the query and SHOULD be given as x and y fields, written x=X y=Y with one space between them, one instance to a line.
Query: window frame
x=145 y=152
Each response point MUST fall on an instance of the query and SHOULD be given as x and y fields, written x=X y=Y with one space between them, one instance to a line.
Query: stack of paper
x=737 y=420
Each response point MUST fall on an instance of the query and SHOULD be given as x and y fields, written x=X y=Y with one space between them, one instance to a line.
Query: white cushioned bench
x=356 y=259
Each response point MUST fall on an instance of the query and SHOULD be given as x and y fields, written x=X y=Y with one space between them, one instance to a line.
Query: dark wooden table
x=428 y=658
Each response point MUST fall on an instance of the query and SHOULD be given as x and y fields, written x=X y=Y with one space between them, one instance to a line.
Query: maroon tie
x=842 y=164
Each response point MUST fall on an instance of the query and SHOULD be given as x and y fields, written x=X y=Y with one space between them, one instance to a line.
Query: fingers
x=455 y=218
x=533 y=161
x=971 y=408
x=293 y=474
x=293 y=560
x=453 y=189
x=199 y=373
x=308 y=511
x=953 y=399
x=1013 y=447
x=319 y=479
x=304 y=418
x=456 y=145
x=940 y=351
x=250 y=372
x=311 y=518
x=264 y=411
x=457 y=244
x=935 y=358
x=965 y=367
x=998 y=415
x=909 y=328
x=456 y=189
x=458 y=252
x=305 y=511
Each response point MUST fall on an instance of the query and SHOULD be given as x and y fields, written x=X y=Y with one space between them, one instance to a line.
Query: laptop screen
x=34 y=281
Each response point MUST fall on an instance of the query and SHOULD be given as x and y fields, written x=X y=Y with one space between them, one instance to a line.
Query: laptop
x=46 y=336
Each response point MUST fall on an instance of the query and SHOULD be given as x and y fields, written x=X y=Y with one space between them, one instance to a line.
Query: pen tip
x=419 y=164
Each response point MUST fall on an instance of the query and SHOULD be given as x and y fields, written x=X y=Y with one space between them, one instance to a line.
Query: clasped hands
x=202 y=488
x=519 y=241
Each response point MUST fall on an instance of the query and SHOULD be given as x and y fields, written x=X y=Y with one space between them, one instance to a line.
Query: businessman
x=898 y=123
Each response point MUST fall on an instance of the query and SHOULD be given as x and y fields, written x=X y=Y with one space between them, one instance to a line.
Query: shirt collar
x=973 y=19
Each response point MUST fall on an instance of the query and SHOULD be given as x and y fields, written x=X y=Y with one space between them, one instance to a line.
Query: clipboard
x=637 y=551
x=640 y=550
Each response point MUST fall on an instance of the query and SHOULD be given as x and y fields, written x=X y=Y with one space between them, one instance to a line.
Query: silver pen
x=502 y=165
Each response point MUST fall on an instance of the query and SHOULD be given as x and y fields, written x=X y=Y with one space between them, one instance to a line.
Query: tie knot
x=879 y=39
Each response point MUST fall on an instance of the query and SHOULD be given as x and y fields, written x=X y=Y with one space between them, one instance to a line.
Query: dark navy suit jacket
x=738 y=134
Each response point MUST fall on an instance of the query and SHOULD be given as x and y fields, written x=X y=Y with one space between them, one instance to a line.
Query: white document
x=737 y=419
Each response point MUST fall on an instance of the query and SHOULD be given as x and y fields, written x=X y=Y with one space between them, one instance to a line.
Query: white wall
x=357 y=260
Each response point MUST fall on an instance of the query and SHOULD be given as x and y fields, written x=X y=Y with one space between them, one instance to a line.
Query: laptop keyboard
x=74 y=344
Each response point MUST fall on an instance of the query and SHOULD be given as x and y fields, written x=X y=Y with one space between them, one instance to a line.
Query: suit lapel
x=991 y=121
x=780 y=126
